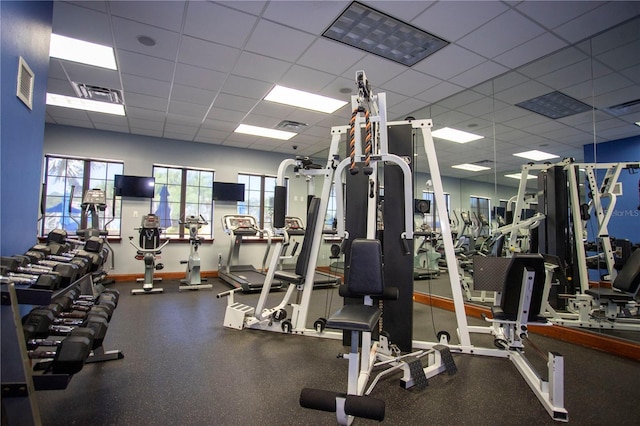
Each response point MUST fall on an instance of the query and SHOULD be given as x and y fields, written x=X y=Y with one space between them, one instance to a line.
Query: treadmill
x=294 y=227
x=246 y=277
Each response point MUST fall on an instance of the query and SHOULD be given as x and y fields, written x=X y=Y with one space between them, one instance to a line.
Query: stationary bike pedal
x=159 y=266
x=183 y=262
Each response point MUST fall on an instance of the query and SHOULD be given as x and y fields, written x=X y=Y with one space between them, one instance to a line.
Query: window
x=433 y=218
x=332 y=209
x=480 y=213
x=63 y=173
x=182 y=192
x=259 y=191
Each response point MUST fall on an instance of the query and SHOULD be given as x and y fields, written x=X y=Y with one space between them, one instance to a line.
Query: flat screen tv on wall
x=226 y=191
x=134 y=186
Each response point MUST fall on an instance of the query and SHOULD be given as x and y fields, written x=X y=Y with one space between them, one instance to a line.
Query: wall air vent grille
x=26 y=77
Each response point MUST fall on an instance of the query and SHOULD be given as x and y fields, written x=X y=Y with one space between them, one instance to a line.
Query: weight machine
x=148 y=250
x=193 y=280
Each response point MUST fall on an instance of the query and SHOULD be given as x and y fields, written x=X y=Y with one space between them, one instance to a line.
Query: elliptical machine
x=148 y=249
x=193 y=280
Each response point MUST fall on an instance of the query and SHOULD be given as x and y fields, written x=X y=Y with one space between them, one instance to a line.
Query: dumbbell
x=79 y=305
x=71 y=352
x=41 y=322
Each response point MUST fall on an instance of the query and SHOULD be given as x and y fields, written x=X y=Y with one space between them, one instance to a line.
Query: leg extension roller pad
x=358 y=406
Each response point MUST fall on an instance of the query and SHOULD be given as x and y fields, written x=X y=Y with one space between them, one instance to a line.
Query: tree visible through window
x=182 y=192
x=63 y=173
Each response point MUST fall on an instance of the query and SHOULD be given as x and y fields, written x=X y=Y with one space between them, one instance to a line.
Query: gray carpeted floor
x=182 y=367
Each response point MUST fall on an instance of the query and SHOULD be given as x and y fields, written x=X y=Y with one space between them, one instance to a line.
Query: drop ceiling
x=213 y=63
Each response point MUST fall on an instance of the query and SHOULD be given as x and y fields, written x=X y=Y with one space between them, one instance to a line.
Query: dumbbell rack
x=19 y=382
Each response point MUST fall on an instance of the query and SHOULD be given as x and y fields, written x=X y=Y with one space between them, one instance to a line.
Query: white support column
x=447 y=238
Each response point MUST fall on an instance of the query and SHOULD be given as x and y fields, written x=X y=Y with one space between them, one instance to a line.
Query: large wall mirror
x=581 y=103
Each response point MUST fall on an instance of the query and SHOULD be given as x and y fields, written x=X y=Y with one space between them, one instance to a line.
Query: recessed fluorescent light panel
x=536 y=155
x=375 y=32
x=519 y=176
x=264 y=132
x=470 y=167
x=555 y=105
x=81 y=51
x=455 y=135
x=300 y=99
x=84 y=104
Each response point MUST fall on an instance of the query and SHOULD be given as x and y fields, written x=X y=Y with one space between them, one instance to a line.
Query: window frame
x=206 y=233
x=433 y=218
x=111 y=217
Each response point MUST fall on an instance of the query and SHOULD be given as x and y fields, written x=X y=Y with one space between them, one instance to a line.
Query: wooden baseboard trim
x=163 y=275
x=576 y=336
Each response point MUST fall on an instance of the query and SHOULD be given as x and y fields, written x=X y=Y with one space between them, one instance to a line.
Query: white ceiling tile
x=303 y=78
x=331 y=56
x=305 y=116
x=146 y=66
x=505 y=114
x=378 y=70
x=60 y=87
x=246 y=87
x=448 y=62
x=619 y=58
x=260 y=67
x=163 y=14
x=278 y=41
x=126 y=35
x=81 y=23
x=253 y=7
x=553 y=62
x=411 y=82
x=178 y=128
x=226 y=115
x=111 y=127
x=192 y=95
x=116 y=120
x=146 y=132
x=309 y=16
x=459 y=99
x=146 y=102
x=235 y=103
x=91 y=75
x=139 y=123
x=598 y=19
x=568 y=76
x=221 y=126
x=144 y=113
x=453 y=19
x=209 y=135
x=627 y=32
x=438 y=92
x=190 y=75
x=209 y=55
x=533 y=49
x=145 y=86
x=60 y=113
x=188 y=109
x=501 y=34
x=616 y=97
x=527 y=90
x=551 y=15
x=403 y=109
x=478 y=74
x=273 y=109
x=179 y=136
x=232 y=28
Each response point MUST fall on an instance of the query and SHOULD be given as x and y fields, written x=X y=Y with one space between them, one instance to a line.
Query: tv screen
x=134 y=186
x=225 y=191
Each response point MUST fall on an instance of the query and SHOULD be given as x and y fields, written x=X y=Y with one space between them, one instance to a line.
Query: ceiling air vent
x=483 y=162
x=624 y=108
x=291 y=125
x=97 y=93
x=24 y=90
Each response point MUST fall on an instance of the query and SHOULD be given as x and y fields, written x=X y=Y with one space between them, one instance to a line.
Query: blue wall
x=26 y=32
x=625 y=220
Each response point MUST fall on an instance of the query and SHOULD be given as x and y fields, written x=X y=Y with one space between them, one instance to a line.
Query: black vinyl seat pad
x=355 y=318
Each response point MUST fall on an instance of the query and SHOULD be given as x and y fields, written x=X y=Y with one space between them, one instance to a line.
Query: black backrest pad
x=628 y=279
x=365 y=268
x=302 y=264
x=513 y=284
